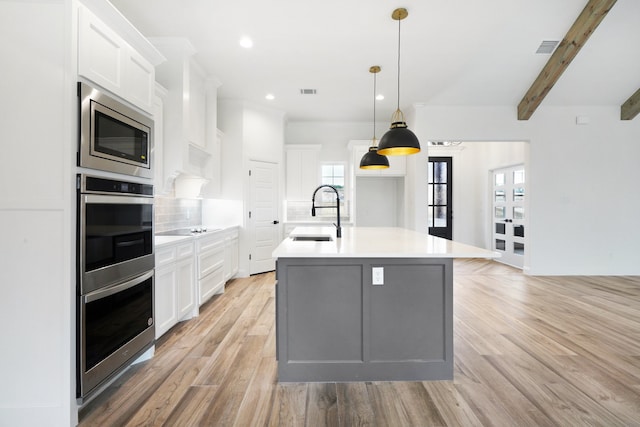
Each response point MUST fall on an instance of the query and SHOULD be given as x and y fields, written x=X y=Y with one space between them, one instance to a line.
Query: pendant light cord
x=374 y=109
x=399 y=21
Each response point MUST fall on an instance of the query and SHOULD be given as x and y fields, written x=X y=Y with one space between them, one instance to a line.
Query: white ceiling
x=453 y=52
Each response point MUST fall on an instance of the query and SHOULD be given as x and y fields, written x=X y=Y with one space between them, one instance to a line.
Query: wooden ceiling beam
x=586 y=23
x=631 y=107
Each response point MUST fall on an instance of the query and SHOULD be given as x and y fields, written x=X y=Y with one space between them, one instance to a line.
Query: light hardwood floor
x=529 y=351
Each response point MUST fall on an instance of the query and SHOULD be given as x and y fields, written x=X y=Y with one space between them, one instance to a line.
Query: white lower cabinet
x=231 y=248
x=210 y=250
x=186 y=293
x=174 y=285
x=189 y=272
x=165 y=307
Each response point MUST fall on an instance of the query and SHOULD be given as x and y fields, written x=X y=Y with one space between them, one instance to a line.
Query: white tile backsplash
x=172 y=213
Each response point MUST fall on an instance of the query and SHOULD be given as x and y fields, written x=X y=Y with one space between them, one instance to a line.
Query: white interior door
x=508 y=216
x=263 y=224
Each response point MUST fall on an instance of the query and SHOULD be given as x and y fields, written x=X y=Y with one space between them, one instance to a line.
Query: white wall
x=250 y=133
x=379 y=201
x=582 y=181
x=334 y=137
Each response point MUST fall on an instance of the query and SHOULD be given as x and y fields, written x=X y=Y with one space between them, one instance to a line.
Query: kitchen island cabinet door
x=335 y=323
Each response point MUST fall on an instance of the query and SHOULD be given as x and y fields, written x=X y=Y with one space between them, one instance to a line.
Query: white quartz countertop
x=166 y=240
x=161 y=240
x=375 y=242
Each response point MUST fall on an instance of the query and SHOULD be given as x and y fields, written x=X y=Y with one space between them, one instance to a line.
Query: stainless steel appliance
x=115 y=231
x=115 y=292
x=113 y=136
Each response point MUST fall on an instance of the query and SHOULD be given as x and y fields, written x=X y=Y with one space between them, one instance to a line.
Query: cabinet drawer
x=209 y=261
x=210 y=242
x=211 y=284
x=184 y=251
x=165 y=256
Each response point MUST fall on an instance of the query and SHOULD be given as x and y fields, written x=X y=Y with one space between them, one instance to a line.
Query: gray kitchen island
x=374 y=305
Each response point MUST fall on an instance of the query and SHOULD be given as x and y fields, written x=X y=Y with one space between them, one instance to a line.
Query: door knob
x=275 y=221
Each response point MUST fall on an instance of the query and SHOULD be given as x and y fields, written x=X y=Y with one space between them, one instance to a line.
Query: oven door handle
x=116 y=200
x=130 y=243
x=105 y=292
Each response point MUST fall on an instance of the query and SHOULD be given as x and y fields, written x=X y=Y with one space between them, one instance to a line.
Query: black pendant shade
x=398 y=141
x=373 y=160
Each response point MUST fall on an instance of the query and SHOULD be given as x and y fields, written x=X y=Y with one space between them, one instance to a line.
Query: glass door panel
x=439 y=197
x=509 y=191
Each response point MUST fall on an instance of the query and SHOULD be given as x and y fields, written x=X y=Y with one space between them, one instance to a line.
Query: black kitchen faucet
x=314 y=207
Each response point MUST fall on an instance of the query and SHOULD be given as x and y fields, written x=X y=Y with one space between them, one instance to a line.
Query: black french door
x=440 y=197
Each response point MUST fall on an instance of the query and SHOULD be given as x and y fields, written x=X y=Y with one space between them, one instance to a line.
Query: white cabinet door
x=108 y=60
x=165 y=296
x=186 y=296
x=175 y=295
x=197 y=106
x=231 y=255
x=301 y=171
x=139 y=80
x=235 y=256
x=101 y=52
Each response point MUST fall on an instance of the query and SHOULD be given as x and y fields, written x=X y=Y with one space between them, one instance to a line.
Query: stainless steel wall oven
x=115 y=264
x=113 y=136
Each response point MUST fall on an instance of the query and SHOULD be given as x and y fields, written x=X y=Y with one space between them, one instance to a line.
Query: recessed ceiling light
x=270 y=97
x=246 y=42
x=380 y=97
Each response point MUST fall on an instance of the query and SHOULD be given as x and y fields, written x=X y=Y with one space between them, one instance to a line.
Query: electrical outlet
x=377 y=275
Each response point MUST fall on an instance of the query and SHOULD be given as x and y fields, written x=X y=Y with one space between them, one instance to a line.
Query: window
x=332 y=174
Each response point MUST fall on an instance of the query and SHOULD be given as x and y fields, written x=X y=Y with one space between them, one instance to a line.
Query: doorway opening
x=508 y=214
x=440 y=197
x=263 y=216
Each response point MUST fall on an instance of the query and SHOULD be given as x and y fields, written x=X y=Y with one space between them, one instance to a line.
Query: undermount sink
x=311 y=238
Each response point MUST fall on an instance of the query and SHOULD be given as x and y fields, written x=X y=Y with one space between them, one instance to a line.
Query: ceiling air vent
x=547 y=46
x=307 y=91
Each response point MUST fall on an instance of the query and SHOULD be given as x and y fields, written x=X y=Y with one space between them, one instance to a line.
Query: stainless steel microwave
x=113 y=136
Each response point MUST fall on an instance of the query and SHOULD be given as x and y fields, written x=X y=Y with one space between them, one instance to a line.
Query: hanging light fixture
x=399 y=140
x=371 y=159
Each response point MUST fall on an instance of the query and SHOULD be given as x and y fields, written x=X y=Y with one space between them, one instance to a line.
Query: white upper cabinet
x=191 y=142
x=139 y=83
x=397 y=164
x=302 y=171
x=105 y=58
x=197 y=106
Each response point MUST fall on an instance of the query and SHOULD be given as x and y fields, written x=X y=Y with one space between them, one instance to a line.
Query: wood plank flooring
x=529 y=351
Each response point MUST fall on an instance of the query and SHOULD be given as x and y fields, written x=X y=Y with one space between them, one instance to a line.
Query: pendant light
x=371 y=159
x=399 y=140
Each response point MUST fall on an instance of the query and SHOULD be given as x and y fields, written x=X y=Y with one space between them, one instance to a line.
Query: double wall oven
x=115 y=291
